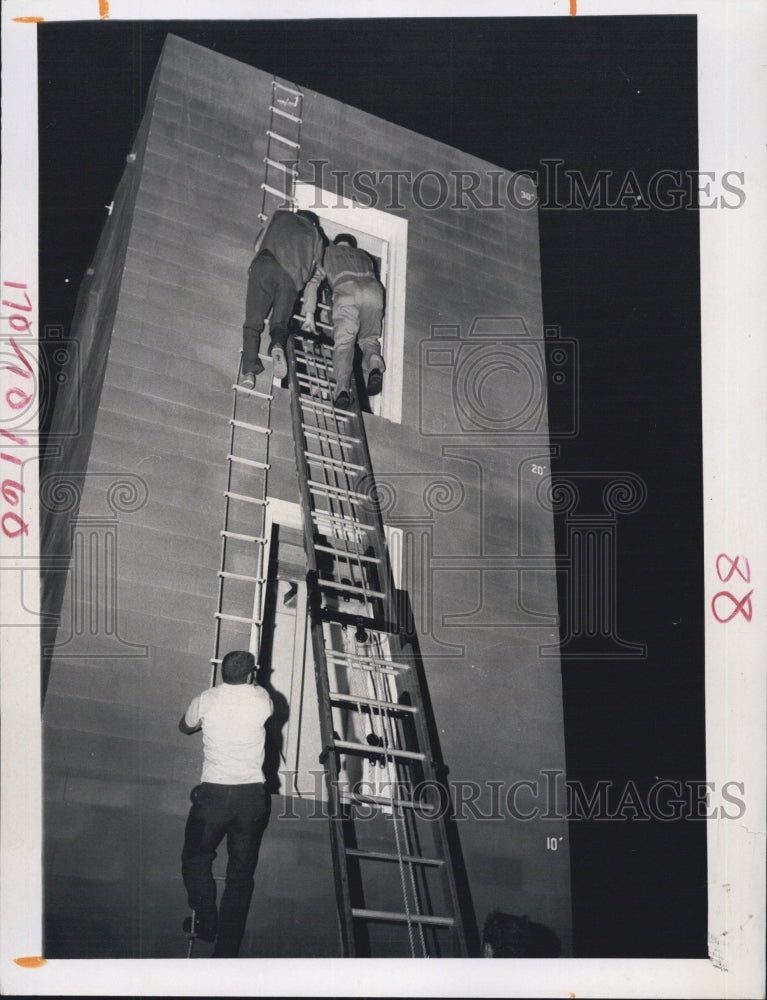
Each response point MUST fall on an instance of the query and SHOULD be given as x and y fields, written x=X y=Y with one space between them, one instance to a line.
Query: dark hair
x=517 y=937
x=346 y=238
x=304 y=213
x=237 y=666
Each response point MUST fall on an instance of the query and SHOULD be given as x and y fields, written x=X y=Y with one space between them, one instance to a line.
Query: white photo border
x=732 y=120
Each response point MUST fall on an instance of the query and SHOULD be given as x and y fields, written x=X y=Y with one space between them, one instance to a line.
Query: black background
x=615 y=94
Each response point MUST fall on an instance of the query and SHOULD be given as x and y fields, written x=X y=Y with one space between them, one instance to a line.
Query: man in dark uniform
x=287 y=253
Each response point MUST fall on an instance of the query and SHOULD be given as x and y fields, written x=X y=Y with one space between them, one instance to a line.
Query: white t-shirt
x=233 y=718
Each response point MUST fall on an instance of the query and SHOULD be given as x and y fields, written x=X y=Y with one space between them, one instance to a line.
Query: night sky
x=600 y=94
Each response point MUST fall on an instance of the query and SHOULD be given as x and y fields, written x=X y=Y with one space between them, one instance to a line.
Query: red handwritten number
x=726 y=568
x=742 y=607
x=744 y=574
x=12 y=524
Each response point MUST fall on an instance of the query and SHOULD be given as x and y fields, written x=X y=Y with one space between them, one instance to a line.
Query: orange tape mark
x=28 y=20
x=573 y=11
x=30 y=961
x=103 y=9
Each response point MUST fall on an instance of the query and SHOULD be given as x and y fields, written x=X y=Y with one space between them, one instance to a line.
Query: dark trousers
x=269 y=287
x=241 y=812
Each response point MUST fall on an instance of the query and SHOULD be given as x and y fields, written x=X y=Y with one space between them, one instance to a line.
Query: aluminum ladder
x=244 y=559
x=244 y=543
x=387 y=798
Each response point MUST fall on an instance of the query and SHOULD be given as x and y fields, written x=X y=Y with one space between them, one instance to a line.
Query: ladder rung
x=244 y=538
x=411 y=859
x=318 y=359
x=371 y=751
x=252 y=392
x=250 y=427
x=353 y=496
x=285 y=114
x=240 y=576
x=284 y=86
x=316 y=379
x=403 y=918
x=340 y=616
x=356 y=699
x=334 y=463
x=387 y=800
x=238 y=618
x=346 y=522
x=241 y=496
x=348 y=659
x=281 y=138
x=323 y=325
x=248 y=461
x=312 y=404
x=389 y=668
x=313 y=368
x=280 y=166
x=349 y=588
x=276 y=192
x=342 y=554
x=343 y=440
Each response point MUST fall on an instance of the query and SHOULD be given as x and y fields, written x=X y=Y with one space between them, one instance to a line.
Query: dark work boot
x=343 y=400
x=204 y=931
x=375 y=382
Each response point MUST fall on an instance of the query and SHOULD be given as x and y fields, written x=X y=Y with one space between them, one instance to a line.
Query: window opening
x=384 y=237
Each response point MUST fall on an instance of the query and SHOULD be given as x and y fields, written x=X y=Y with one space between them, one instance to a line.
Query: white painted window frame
x=392 y=230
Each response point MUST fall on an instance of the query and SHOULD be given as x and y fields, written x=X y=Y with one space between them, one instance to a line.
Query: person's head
x=345 y=238
x=237 y=666
x=505 y=935
x=304 y=213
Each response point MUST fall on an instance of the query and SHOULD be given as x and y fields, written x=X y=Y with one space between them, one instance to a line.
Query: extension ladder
x=244 y=561
x=244 y=542
x=395 y=880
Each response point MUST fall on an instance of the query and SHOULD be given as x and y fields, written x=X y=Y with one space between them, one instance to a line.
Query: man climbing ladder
x=288 y=251
x=356 y=313
x=231 y=801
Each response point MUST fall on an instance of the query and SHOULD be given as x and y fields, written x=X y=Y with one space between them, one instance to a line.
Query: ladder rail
x=256 y=543
x=343 y=895
x=237 y=543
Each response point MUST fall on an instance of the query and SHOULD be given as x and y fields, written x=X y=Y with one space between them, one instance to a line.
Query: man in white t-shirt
x=231 y=800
